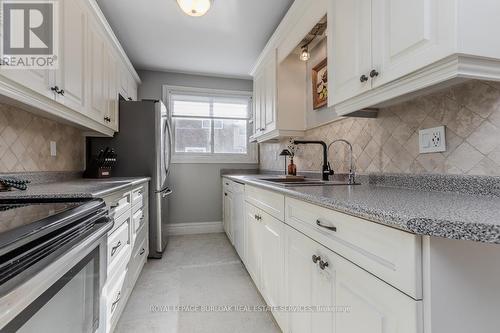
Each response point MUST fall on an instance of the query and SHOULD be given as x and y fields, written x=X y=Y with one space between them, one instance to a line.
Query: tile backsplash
x=389 y=143
x=25 y=143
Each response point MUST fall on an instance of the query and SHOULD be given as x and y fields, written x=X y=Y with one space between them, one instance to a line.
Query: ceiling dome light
x=195 y=7
x=305 y=55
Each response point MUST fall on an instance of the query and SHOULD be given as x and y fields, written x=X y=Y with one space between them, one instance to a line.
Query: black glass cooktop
x=17 y=214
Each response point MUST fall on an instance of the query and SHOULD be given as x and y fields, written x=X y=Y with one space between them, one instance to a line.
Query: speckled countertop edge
x=74 y=189
x=451 y=229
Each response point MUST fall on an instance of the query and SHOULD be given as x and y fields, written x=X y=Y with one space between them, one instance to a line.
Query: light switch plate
x=53 y=148
x=432 y=140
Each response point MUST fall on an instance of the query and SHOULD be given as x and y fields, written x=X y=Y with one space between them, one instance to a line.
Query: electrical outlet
x=53 y=148
x=432 y=140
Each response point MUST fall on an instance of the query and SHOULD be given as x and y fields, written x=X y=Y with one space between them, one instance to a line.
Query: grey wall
x=152 y=83
x=197 y=187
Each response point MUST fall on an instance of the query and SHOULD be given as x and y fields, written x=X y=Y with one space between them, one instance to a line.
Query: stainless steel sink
x=289 y=182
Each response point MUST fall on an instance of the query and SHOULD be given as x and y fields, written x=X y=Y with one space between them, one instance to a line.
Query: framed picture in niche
x=320 y=84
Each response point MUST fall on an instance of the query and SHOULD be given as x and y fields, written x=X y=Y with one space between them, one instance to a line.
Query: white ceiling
x=157 y=35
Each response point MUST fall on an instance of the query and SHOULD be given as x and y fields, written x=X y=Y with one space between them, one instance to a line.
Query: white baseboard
x=195 y=228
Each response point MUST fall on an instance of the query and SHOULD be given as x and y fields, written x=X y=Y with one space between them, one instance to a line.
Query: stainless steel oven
x=52 y=266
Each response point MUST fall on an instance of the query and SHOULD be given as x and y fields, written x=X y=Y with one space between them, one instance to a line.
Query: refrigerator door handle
x=165 y=189
x=168 y=159
x=166 y=193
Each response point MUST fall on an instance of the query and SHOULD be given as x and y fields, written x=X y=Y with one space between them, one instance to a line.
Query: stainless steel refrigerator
x=143 y=146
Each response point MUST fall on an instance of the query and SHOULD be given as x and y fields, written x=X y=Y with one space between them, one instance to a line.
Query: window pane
x=192 y=135
x=230 y=136
x=231 y=110
x=191 y=108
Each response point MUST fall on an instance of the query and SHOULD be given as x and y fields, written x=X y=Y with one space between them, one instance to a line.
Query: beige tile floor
x=195 y=270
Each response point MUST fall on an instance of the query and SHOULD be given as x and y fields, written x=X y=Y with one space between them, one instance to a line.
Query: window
x=210 y=126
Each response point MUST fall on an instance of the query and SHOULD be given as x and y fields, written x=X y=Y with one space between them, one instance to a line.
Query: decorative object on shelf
x=195 y=7
x=292 y=149
x=8 y=183
x=102 y=164
x=320 y=84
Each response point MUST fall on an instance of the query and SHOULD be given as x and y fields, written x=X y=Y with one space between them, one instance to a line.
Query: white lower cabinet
x=307 y=285
x=265 y=256
x=314 y=289
x=343 y=297
x=127 y=248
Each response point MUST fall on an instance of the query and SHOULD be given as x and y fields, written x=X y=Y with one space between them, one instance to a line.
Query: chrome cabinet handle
x=374 y=73
x=323 y=264
x=142 y=252
x=257 y=217
x=332 y=228
x=114 y=248
x=363 y=78
x=316 y=258
x=118 y=298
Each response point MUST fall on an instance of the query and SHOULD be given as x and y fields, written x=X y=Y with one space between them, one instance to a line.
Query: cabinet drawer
x=137 y=220
x=139 y=255
x=117 y=242
x=118 y=203
x=116 y=293
x=138 y=195
x=392 y=255
x=270 y=202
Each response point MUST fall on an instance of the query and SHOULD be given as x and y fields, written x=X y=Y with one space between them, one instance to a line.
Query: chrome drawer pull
x=332 y=228
x=323 y=264
x=114 y=248
x=315 y=258
x=118 y=298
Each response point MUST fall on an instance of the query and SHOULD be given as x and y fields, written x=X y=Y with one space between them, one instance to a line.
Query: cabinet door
x=307 y=285
x=351 y=48
x=228 y=215
x=410 y=34
x=98 y=86
x=38 y=80
x=374 y=306
x=259 y=102
x=132 y=88
x=272 y=267
x=238 y=222
x=111 y=88
x=71 y=75
x=269 y=114
x=253 y=243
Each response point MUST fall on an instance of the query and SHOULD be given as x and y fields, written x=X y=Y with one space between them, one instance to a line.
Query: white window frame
x=250 y=157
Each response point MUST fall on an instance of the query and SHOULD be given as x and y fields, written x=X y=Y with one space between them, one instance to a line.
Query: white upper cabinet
x=72 y=71
x=85 y=87
x=98 y=91
x=379 y=41
x=265 y=96
x=351 y=52
x=279 y=75
x=414 y=46
x=409 y=35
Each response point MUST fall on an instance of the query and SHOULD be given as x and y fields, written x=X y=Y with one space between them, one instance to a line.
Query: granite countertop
x=74 y=189
x=451 y=214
